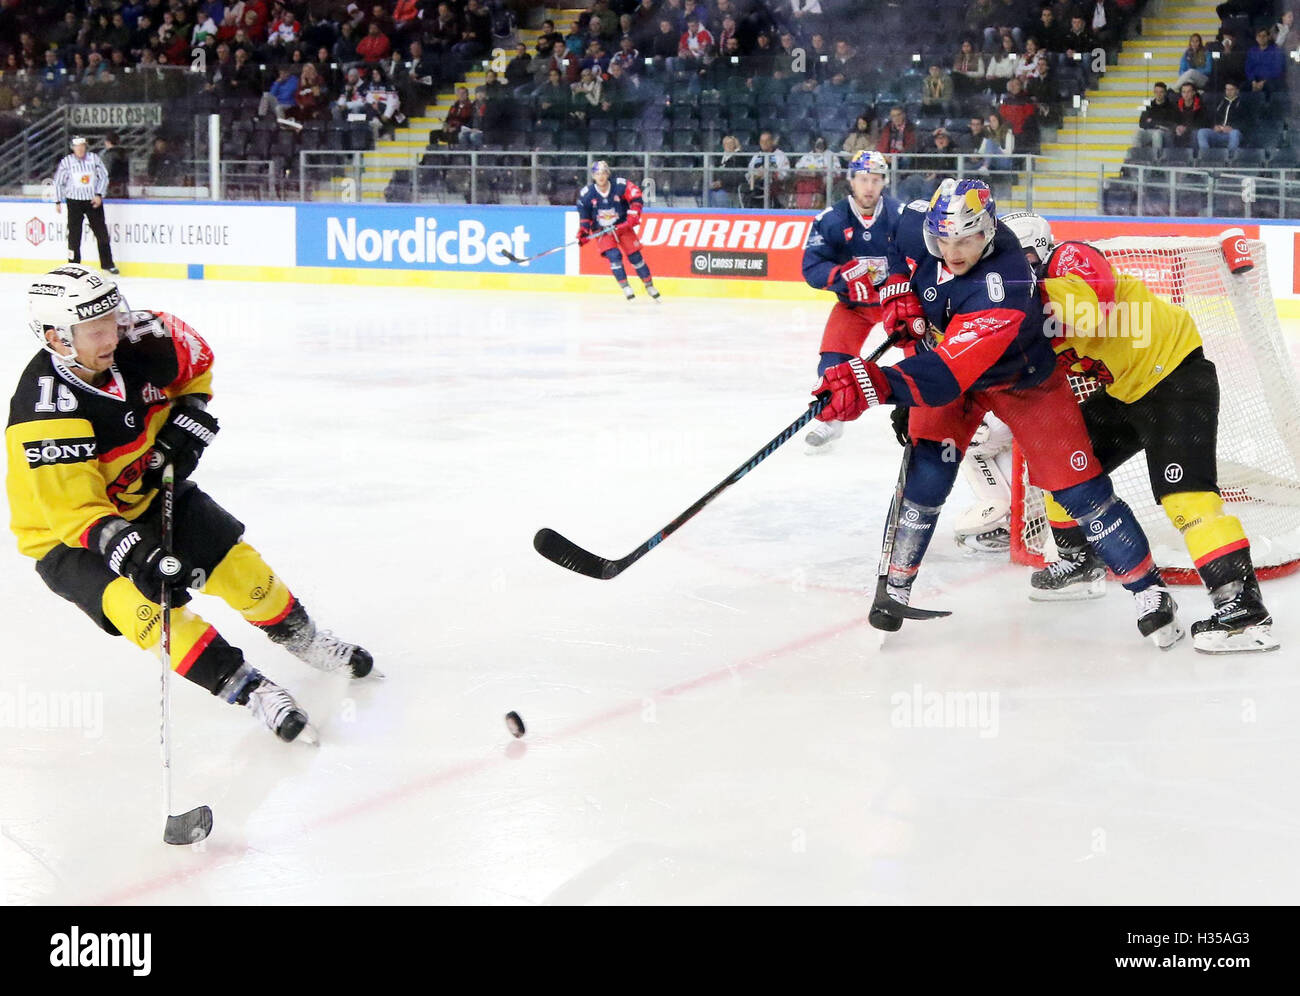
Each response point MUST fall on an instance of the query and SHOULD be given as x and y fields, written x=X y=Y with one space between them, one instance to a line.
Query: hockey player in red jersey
x=113 y=395
x=973 y=285
x=614 y=204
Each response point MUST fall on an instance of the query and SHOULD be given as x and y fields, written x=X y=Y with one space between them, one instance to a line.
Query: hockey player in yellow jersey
x=1158 y=393
x=111 y=396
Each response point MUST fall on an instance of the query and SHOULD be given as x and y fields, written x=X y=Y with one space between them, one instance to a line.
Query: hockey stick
x=191 y=827
x=882 y=603
x=528 y=259
x=569 y=555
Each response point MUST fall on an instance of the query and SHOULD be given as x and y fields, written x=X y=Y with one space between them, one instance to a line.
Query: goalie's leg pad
x=1112 y=530
x=198 y=651
x=245 y=582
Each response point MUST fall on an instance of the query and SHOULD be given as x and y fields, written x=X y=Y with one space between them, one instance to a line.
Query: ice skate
x=1240 y=622
x=320 y=649
x=277 y=710
x=1158 y=616
x=653 y=291
x=820 y=436
x=1072 y=578
x=628 y=292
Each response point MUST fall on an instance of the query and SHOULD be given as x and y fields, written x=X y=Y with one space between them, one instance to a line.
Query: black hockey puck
x=514 y=724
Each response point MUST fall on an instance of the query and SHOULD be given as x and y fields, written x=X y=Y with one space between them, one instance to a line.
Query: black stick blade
x=188 y=828
x=511 y=256
x=887 y=605
x=570 y=556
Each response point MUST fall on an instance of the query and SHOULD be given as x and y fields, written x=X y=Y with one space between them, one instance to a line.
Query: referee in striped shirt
x=82 y=180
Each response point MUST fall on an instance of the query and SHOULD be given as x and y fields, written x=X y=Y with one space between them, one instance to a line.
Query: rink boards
x=695 y=253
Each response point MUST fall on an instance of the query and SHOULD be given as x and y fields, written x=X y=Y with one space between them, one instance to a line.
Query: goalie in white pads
x=1161 y=396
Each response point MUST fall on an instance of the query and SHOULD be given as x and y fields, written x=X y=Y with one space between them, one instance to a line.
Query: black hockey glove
x=134 y=551
x=898 y=417
x=182 y=440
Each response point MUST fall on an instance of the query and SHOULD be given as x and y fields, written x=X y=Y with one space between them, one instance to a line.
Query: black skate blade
x=188 y=828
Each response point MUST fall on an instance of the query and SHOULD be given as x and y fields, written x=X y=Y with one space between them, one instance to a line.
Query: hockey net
x=1259 y=413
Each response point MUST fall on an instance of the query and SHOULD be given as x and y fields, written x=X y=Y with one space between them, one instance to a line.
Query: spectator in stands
x=765 y=178
x=279 y=98
x=1196 y=64
x=820 y=158
x=846 y=61
x=998 y=145
x=974 y=135
x=519 y=70
x=1079 y=39
x=1157 y=120
x=352 y=98
x=979 y=21
x=345 y=47
x=98 y=72
x=53 y=76
x=1016 y=107
x=245 y=79
x=596 y=59
x=445 y=31
x=163 y=168
x=1227 y=121
x=1285 y=36
x=938 y=168
x=547 y=39
x=620 y=94
x=1008 y=15
x=1265 y=65
x=898 y=136
x=1043 y=91
x=1191 y=117
x=1105 y=21
x=1230 y=66
x=860 y=139
x=627 y=56
x=586 y=94
x=383 y=103
x=1046 y=30
x=664 y=45
x=312 y=97
x=967 y=70
x=553 y=99
x=375 y=46
x=937 y=91
x=118 y=164
x=459 y=114
x=1028 y=64
x=476 y=36
x=119 y=35
x=1002 y=65
x=204 y=28
x=695 y=46
x=406 y=21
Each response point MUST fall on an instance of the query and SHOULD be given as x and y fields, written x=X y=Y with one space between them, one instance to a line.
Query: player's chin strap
x=67 y=362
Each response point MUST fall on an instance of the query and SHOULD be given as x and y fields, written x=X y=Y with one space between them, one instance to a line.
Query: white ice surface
x=717 y=725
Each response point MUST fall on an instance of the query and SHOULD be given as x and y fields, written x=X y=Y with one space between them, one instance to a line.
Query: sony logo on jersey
x=49 y=451
x=99 y=306
x=49 y=290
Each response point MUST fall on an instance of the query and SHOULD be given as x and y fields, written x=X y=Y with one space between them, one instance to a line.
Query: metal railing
x=1188 y=191
x=36 y=148
x=671 y=179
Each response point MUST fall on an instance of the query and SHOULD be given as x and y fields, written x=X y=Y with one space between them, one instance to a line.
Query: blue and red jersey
x=842 y=238
x=991 y=319
x=621 y=203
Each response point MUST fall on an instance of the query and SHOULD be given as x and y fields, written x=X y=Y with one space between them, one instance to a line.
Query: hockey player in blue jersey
x=846 y=253
x=973 y=286
x=614 y=204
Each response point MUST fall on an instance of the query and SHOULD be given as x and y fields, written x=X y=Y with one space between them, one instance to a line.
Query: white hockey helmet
x=69 y=295
x=1033 y=230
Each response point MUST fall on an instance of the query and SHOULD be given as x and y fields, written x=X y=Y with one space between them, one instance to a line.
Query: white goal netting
x=1259 y=413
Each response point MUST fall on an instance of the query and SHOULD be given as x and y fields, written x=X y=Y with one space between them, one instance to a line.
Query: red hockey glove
x=583 y=238
x=857 y=281
x=854 y=387
x=626 y=227
x=900 y=308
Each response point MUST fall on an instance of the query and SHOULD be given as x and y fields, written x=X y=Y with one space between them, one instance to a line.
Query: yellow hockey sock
x=1208 y=533
x=244 y=582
